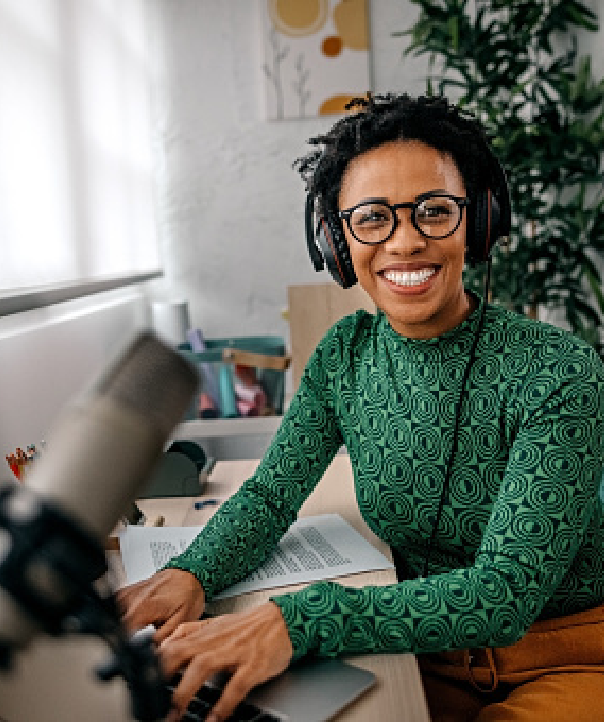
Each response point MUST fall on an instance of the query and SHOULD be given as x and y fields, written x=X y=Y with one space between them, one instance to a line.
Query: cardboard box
x=312 y=309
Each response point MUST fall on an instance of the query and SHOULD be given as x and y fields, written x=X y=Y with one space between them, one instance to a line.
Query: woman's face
x=415 y=281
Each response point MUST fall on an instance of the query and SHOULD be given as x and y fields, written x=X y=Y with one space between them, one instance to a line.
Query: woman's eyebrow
x=373 y=200
x=434 y=190
x=385 y=200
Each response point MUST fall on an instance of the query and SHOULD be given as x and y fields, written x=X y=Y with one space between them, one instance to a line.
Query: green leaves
x=515 y=63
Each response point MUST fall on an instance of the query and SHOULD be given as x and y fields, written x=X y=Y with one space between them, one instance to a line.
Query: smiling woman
x=457 y=416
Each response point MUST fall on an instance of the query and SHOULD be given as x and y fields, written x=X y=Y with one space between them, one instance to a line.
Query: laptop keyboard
x=200 y=706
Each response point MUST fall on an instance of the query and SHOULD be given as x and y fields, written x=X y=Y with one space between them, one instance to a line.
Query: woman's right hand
x=167 y=599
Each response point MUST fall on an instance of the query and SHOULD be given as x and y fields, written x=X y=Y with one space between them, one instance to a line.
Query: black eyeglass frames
x=434 y=214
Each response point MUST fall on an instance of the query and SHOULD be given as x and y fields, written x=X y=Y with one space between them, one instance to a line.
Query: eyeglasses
x=434 y=215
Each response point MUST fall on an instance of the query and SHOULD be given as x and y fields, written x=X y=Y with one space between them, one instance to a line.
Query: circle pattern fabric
x=521 y=531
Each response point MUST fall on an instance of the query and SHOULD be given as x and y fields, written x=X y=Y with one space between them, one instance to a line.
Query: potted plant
x=515 y=64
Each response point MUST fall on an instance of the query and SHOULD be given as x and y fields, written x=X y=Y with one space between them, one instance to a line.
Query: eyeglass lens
x=436 y=217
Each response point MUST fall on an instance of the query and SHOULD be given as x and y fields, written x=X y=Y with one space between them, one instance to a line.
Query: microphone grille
x=153 y=380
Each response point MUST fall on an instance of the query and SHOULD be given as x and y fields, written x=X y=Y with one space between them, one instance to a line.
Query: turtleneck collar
x=455 y=340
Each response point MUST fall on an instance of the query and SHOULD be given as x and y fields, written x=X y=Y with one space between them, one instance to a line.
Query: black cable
x=466 y=374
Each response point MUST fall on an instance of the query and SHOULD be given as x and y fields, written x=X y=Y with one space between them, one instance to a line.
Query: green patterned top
x=521 y=532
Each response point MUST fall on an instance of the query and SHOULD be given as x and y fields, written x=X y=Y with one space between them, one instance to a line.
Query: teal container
x=228 y=401
x=271 y=380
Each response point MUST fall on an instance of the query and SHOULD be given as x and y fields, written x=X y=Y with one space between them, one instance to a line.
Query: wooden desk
x=398 y=695
x=54 y=679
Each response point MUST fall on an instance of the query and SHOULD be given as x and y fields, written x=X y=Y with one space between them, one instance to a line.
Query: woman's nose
x=405 y=238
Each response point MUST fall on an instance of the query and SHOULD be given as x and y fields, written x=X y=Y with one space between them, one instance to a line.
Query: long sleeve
x=546 y=502
x=242 y=534
x=521 y=535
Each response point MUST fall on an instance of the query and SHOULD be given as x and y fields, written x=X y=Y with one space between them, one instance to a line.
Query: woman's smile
x=404 y=280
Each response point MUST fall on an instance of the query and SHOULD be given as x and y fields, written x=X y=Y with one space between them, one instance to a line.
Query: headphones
x=488 y=221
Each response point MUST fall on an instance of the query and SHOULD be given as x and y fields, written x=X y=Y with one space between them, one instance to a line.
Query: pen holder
x=240 y=376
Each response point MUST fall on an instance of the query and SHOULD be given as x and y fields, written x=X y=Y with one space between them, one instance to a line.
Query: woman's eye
x=434 y=212
x=371 y=216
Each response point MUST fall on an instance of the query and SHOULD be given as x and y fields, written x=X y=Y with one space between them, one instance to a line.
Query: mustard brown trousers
x=555 y=673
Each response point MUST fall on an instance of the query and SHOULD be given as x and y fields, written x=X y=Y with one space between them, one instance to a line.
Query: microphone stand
x=55 y=571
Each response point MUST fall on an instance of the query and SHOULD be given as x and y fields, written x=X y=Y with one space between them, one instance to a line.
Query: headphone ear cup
x=333 y=245
x=495 y=231
x=478 y=231
x=314 y=253
x=487 y=227
x=490 y=214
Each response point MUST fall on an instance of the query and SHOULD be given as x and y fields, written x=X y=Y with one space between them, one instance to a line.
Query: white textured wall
x=230 y=205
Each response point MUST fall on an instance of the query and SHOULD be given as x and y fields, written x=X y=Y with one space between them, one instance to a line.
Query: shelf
x=229 y=427
x=229 y=439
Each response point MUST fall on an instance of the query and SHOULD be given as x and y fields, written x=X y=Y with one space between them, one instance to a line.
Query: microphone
x=98 y=458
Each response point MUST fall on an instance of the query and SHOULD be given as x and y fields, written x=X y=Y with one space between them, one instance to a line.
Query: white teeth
x=409 y=278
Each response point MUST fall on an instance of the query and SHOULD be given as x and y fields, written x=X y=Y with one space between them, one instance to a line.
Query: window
x=76 y=184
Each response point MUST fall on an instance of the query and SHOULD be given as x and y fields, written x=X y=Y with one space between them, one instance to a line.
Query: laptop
x=310 y=691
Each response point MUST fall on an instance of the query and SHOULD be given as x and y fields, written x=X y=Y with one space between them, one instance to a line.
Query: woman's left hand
x=253 y=646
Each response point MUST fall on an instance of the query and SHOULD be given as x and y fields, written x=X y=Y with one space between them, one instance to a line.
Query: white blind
x=76 y=186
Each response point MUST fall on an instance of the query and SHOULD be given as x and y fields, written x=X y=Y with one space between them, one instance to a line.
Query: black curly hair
x=383 y=118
